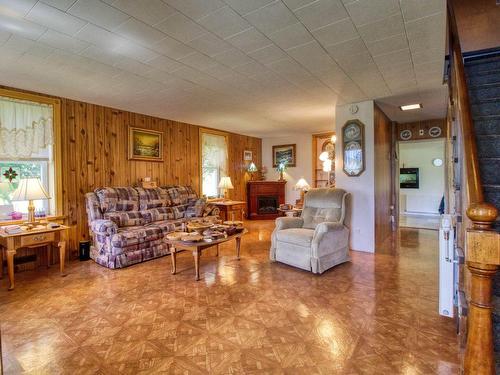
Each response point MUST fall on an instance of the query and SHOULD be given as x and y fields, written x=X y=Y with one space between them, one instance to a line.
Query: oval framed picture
x=405 y=134
x=435 y=131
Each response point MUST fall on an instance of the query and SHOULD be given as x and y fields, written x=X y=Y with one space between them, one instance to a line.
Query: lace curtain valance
x=25 y=128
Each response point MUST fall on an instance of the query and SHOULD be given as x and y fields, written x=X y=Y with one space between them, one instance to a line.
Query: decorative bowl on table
x=198 y=227
x=192 y=237
x=176 y=236
x=234 y=223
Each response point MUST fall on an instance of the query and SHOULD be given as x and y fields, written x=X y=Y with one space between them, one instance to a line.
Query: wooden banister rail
x=482 y=253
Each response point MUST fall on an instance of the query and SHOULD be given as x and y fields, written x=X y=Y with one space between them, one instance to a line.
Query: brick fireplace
x=264 y=198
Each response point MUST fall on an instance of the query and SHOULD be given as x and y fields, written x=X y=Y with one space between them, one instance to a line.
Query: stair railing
x=482 y=245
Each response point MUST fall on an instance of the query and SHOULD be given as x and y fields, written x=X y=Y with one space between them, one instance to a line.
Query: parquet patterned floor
x=375 y=315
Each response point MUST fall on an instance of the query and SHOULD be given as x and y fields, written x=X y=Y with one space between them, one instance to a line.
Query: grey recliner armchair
x=319 y=239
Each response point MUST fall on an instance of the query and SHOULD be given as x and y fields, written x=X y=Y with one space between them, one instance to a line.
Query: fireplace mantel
x=261 y=196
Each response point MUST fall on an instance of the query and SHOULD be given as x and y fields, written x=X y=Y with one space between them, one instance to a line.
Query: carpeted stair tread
x=487 y=63
x=488 y=146
x=489 y=168
x=486 y=108
x=489 y=77
x=487 y=125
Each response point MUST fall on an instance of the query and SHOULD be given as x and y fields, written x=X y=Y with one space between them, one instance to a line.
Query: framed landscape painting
x=284 y=153
x=144 y=144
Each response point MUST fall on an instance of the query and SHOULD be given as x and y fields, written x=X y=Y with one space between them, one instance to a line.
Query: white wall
x=419 y=154
x=362 y=188
x=292 y=175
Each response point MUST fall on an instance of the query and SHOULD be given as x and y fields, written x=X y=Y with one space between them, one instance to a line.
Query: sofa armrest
x=106 y=227
x=288 y=222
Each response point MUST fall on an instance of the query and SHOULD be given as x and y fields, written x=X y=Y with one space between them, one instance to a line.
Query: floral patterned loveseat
x=128 y=224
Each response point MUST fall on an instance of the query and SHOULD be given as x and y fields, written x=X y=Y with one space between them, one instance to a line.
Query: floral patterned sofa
x=127 y=224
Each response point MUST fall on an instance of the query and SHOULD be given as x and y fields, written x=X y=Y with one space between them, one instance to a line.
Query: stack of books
x=11 y=229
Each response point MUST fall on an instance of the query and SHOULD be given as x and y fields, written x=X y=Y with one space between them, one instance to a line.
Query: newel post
x=482 y=262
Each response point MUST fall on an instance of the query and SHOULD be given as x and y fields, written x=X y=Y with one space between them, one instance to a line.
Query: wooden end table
x=34 y=238
x=229 y=208
x=196 y=248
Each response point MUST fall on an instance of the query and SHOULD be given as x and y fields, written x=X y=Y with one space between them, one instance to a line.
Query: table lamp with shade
x=226 y=184
x=301 y=186
x=30 y=189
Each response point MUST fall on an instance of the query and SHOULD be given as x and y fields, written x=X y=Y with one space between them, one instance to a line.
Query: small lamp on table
x=301 y=186
x=226 y=184
x=30 y=189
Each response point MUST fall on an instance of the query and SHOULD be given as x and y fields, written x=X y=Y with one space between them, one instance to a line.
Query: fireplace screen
x=267 y=205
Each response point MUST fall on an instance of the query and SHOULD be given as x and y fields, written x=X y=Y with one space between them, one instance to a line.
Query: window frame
x=57 y=149
x=200 y=156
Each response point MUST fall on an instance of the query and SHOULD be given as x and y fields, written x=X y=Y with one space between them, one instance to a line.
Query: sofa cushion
x=118 y=199
x=197 y=208
x=136 y=235
x=158 y=214
x=152 y=198
x=167 y=226
x=125 y=219
x=298 y=236
x=179 y=194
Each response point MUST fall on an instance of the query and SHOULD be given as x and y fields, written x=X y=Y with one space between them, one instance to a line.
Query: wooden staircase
x=471 y=114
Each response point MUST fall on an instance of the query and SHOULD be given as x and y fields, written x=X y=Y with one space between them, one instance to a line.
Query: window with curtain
x=213 y=162
x=26 y=150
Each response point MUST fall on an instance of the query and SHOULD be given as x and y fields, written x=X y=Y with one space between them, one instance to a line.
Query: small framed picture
x=247 y=155
x=145 y=144
x=284 y=154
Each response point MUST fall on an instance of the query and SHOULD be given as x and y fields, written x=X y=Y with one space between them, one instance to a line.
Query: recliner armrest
x=106 y=227
x=288 y=222
x=328 y=226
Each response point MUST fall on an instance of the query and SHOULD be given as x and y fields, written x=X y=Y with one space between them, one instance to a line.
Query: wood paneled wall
x=94 y=154
x=384 y=183
x=420 y=129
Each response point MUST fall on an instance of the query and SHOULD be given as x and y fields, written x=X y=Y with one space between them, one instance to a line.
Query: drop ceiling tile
x=136 y=51
x=427 y=32
x=172 y=48
x=219 y=71
x=232 y=58
x=249 y=40
x=428 y=55
x=271 y=18
x=148 y=11
x=382 y=29
x=100 y=37
x=296 y=4
x=413 y=9
x=250 y=69
x=101 y=55
x=63 y=5
x=198 y=61
x=391 y=44
x=291 y=70
x=347 y=48
x=246 y=6
x=368 y=11
x=355 y=63
x=159 y=76
x=195 y=9
x=321 y=13
x=180 y=27
x=18 y=44
x=312 y=57
x=209 y=44
x=99 y=13
x=63 y=41
x=133 y=66
x=55 y=19
x=291 y=36
x=139 y=32
x=394 y=58
x=17 y=8
x=21 y=27
x=268 y=54
x=4 y=36
x=335 y=33
x=165 y=64
x=40 y=50
x=224 y=22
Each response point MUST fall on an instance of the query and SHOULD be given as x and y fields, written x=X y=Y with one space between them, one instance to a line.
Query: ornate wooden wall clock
x=353 y=148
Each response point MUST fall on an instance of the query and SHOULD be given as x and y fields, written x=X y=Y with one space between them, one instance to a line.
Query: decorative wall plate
x=437 y=162
x=435 y=131
x=353 y=148
x=405 y=134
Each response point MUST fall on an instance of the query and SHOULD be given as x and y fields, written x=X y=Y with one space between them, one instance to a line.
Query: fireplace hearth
x=264 y=199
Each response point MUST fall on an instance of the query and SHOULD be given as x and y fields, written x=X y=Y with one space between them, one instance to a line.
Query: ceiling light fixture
x=410 y=107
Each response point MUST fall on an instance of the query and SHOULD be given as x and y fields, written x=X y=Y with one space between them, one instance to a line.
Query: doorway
x=421 y=179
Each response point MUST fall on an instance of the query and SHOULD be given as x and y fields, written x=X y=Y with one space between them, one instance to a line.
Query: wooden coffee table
x=196 y=248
